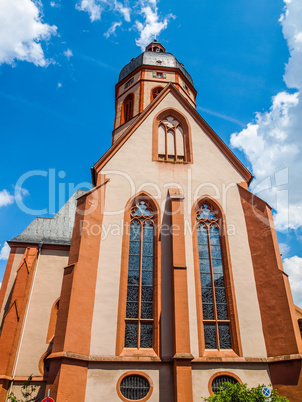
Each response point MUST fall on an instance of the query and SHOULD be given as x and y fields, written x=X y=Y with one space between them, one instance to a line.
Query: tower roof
x=154 y=55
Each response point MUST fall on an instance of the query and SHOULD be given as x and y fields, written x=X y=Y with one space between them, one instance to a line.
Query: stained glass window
x=216 y=322
x=139 y=307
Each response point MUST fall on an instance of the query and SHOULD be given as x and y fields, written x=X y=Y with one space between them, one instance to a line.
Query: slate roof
x=56 y=230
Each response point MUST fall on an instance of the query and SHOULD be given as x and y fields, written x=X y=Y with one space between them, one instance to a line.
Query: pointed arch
x=218 y=328
x=176 y=146
x=127 y=108
x=139 y=294
x=155 y=92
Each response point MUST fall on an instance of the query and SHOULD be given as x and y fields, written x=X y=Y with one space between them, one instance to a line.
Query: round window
x=219 y=380
x=134 y=387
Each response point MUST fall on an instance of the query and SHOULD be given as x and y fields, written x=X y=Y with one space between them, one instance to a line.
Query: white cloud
x=92 y=7
x=293 y=267
x=152 y=25
x=284 y=249
x=6 y=198
x=54 y=4
x=68 y=53
x=111 y=30
x=125 y=11
x=148 y=22
x=21 y=31
x=4 y=252
x=59 y=85
x=273 y=142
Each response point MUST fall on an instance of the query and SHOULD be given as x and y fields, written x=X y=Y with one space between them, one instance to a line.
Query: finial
x=155 y=35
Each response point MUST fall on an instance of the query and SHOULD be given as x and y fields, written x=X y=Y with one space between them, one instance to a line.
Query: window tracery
x=171 y=146
x=216 y=318
x=139 y=308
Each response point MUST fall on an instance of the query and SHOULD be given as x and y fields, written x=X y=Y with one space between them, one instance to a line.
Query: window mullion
x=166 y=141
x=140 y=286
x=213 y=287
x=175 y=144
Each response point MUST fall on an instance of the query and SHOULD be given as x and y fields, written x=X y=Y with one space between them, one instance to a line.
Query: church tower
x=165 y=279
x=143 y=79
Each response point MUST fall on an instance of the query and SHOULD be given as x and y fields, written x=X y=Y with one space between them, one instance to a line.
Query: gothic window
x=139 y=320
x=171 y=138
x=155 y=92
x=215 y=311
x=171 y=145
x=128 y=107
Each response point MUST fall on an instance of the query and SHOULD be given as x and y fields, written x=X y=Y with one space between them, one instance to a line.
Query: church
x=165 y=279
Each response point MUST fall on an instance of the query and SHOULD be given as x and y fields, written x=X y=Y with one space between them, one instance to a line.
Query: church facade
x=162 y=281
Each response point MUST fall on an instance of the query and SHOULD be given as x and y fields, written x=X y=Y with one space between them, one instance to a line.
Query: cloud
x=125 y=11
x=148 y=21
x=68 y=53
x=221 y=116
x=95 y=8
x=4 y=252
x=59 y=85
x=92 y=7
x=6 y=198
x=111 y=30
x=152 y=25
x=293 y=267
x=284 y=248
x=273 y=142
x=54 y=4
x=21 y=31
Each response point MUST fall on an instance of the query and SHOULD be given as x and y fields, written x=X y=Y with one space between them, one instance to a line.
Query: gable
x=170 y=97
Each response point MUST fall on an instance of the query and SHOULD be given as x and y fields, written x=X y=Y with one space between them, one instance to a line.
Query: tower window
x=128 y=107
x=155 y=92
x=216 y=320
x=139 y=308
x=128 y=83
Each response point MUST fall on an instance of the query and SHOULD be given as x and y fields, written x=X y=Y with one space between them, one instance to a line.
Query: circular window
x=218 y=381
x=134 y=386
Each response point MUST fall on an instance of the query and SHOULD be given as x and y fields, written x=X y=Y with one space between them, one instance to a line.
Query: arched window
x=138 y=305
x=128 y=107
x=139 y=310
x=217 y=311
x=171 y=137
x=155 y=92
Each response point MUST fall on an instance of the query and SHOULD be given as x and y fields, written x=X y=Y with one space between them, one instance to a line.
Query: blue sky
x=59 y=66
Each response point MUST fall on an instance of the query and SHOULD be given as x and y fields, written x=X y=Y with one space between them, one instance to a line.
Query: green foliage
x=241 y=393
x=27 y=391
